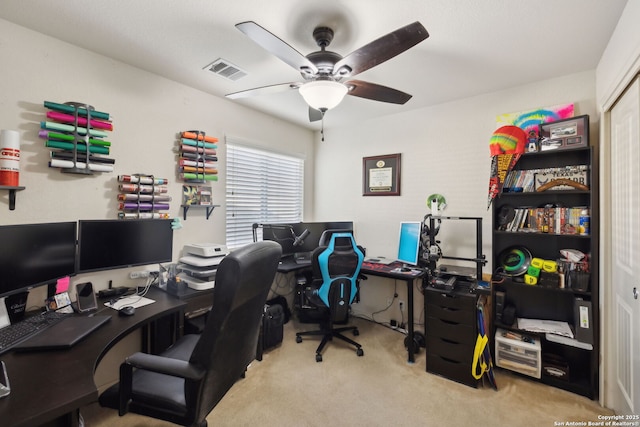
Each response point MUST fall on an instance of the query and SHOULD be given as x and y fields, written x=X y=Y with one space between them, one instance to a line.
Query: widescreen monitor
x=312 y=232
x=36 y=254
x=409 y=242
x=300 y=237
x=284 y=234
x=110 y=244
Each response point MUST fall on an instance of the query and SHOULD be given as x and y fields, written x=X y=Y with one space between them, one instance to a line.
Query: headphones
x=505 y=215
x=431 y=251
x=426 y=231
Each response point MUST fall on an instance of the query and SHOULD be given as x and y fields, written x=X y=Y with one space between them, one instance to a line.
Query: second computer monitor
x=409 y=242
x=314 y=232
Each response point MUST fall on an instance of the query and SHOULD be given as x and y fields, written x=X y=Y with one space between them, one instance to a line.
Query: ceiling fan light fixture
x=323 y=95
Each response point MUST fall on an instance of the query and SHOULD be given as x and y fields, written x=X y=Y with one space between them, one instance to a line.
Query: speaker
x=500 y=297
x=509 y=315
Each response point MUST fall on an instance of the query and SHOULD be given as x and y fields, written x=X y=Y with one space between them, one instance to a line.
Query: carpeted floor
x=289 y=388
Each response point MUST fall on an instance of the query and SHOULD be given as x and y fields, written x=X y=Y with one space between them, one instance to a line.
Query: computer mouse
x=127 y=310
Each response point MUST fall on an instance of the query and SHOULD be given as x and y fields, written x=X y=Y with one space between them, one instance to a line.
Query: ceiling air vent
x=225 y=69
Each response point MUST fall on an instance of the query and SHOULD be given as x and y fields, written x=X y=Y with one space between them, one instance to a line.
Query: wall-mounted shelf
x=12 y=194
x=209 y=209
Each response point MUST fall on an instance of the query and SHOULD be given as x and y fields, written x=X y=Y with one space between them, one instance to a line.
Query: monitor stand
x=405 y=268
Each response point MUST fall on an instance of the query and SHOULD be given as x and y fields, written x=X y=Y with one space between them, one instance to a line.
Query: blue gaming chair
x=336 y=271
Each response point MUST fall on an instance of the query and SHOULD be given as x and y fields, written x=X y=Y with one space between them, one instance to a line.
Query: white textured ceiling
x=475 y=46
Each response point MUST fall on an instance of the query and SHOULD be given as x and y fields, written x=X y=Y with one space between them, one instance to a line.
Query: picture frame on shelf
x=564 y=134
x=381 y=175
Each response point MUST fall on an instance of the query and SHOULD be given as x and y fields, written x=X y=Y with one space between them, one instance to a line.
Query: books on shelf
x=553 y=220
x=529 y=180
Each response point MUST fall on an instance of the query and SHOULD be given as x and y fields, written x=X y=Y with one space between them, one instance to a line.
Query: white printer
x=206 y=249
x=199 y=264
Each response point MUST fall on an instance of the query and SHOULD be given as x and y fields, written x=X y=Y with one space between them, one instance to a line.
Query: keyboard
x=28 y=327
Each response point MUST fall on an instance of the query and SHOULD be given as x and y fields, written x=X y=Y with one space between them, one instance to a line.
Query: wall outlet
x=401 y=304
x=139 y=274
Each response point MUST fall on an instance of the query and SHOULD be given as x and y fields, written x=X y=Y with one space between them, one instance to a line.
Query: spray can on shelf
x=584 y=222
x=9 y=157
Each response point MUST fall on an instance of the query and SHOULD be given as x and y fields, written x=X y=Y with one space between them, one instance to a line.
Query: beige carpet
x=289 y=388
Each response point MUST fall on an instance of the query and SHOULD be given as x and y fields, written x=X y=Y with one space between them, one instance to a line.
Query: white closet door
x=623 y=309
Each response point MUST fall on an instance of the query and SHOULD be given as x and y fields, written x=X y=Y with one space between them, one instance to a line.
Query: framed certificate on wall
x=381 y=175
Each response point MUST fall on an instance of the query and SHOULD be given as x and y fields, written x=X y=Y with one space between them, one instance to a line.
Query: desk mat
x=64 y=334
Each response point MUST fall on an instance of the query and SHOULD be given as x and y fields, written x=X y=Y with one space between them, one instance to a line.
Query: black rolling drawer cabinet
x=451 y=333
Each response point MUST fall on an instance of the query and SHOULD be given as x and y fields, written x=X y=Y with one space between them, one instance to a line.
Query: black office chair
x=183 y=384
x=336 y=271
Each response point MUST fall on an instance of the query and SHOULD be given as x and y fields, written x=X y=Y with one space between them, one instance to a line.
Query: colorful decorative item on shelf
x=142 y=196
x=506 y=146
x=529 y=120
x=196 y=195
x=74 y=132
x=198 y=157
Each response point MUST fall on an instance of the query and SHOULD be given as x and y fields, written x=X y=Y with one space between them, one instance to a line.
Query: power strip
x=113 y=292
x=139 y=274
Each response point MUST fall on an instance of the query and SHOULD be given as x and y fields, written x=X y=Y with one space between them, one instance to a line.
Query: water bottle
x=584 y=222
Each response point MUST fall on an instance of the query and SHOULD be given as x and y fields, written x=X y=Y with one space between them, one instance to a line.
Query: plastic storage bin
x=518 y=352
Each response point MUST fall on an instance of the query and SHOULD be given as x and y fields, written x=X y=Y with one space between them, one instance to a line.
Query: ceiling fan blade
x=264 y=90
x=277 y=47
x=381 y=50
x=314 y=115
x=376 y=92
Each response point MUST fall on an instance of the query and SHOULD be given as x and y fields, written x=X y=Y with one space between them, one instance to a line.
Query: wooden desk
x=53 y=385
x=289 y=265
x=197 y=302
x=390 y=271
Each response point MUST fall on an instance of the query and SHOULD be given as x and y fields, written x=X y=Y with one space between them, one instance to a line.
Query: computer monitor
x=35 y=254
x=325 y=237
x=110 y=244
x=312 y=232
x=284 y=234
x=409 y=242
x=300 y=237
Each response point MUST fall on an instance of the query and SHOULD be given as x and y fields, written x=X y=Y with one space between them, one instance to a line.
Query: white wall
x=621 y=59
x=148 y=112
x=445 y=150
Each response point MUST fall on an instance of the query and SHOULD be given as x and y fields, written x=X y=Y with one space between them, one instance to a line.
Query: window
x=263 y=186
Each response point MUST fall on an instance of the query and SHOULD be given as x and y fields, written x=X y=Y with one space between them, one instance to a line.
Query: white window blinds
x=262 y=187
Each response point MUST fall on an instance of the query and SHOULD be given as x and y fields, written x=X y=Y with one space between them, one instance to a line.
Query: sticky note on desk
x=62 y=285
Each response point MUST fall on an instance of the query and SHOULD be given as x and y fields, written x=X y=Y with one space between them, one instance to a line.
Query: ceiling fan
x=323 y=71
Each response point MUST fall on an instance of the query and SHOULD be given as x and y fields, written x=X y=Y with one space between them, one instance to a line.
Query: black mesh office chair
x=183 y=384
x=336 y=271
